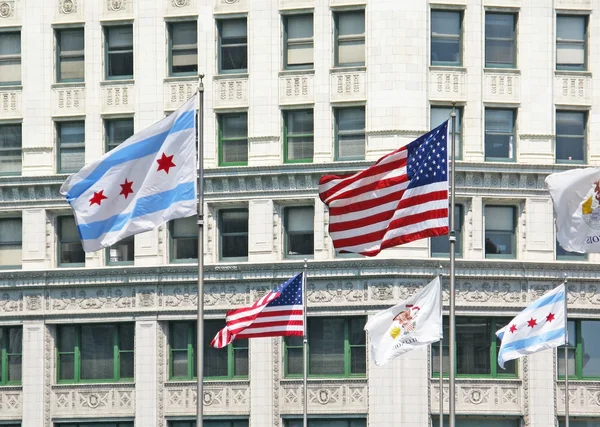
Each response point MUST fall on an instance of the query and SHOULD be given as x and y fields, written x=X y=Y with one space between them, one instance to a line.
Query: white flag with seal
x=408 y=325
x=576 y=197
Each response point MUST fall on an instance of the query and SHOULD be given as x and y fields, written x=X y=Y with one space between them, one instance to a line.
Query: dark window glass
x=119 y=52
x=350 y=38
x=571 y=40
x=499 y=135
x=500 y=40
x=440 y=245
x=234 y=233
x=10 y=57
x=184 y=239
x=70 y=250
x=233 y=139
x=570 y=137
x=11 y=242
x=183 y=44
x=583 y=350
x=11 y=354
x=500 y=232
x=298 y=136
x=233 y=49
x=299 y=230
x=11 y=143
x=298 y=48
x=116 y=131
x=71 y=146
x=350 y=133
x=446 y=38
x=70 y=47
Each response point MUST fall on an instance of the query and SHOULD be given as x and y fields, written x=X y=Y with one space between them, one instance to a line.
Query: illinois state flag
x=576 y=197
x=401 y=198
x=408 y=325
x=146 y=181
x=542 y=325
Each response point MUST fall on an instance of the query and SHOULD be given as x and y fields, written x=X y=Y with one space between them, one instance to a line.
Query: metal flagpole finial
x=200 y=82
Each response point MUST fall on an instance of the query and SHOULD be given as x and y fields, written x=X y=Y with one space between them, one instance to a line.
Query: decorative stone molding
x=231 y=6
x=447 y=84
x=232 y=398
x=11 y=403
x=348 y=86
x=327 y=293
x=502 y=86
x=573 y=88
x=67 y=7
x=180 y=3
x=10 y=103
x=68 y=100
x=95 y=400
x=7 y=9
x=178 y=92
x=343 y=397
x=296 y=89
x=231 y=92
x=117 y=98
x=502 y=397
x=116 y=5
x=584 y=398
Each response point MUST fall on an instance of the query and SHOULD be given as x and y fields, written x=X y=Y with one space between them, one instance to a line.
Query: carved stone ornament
x=6 y=9
x=180 y=3
x=230 y=1
x=68 y=6
x=116 y=5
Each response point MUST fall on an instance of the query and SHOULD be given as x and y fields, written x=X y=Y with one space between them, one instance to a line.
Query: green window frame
x=183 y=239
x=233 y=234
x=298 y=41
x=233 y=139
x=500 y=40
x=11 y=355
x=11 y=147
x=96 y=424
x=500 y=231
x=298 y=136
x=70 y=55
x=349 y=133
x=70 y=138
x=446 y=38
x=70 y=249
x=571 y=42
x=116 y=131
x=299 y=228
x=226 y=363
x=233 y=45
x=478 y=421
x=564 y=255
x=118 y=52
x=10 y=58
x=336 y=349
x=438 y=115
x=349 y=38
x=324 y=421
x=121 y=253
x=183 y=48
x=11 y=243
x=476 y=349
x=230 y=422
x=80 y=357
x=500 y=135
x=583 y=351
x=571 y=136
x=440 y=245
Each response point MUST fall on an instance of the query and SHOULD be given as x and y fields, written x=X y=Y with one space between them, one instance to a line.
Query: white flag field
x=413 y=323
x=147 y=180
x=576 y=197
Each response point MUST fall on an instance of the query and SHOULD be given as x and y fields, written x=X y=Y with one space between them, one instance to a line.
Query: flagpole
x=441 y=356
x=566 y=359
x=304 y=349
x=200 y=318
x=452 y=240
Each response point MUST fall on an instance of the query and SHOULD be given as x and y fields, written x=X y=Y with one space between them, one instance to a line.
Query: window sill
x=235 y=75
x=322 y=379
x=172 y=79
x=11 y=86
x=60 y=85
x=115 y=82
x=500 y=160
x=572 y=73
x=502 y=70
x=458 y=68
x=349 y=68
x=71 y=265
x=94 y=383
x=500 y=257
x=290 y=72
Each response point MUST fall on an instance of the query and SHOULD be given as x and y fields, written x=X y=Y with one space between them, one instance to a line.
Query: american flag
x=401 y=198
x=279 y=313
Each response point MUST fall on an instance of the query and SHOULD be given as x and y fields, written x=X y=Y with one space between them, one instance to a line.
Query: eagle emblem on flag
x=590 y=208
x=404 y=322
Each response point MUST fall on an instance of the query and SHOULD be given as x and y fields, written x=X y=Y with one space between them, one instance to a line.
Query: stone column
x=146 y=372
x=33 y=373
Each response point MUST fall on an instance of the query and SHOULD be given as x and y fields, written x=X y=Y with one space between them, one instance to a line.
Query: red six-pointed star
x=97 y=198
x=513 y=328
x=531 y=323
x=126 y=189
x=550 y=317
x=165 y=163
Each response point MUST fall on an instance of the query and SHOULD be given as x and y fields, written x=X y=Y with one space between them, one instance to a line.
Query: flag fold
x=540 y=326
x=408 y=325
x=147 y=180
x=278 y=313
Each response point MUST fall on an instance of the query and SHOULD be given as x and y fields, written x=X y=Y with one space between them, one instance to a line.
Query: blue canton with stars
x=427 y=157
x=291 y=292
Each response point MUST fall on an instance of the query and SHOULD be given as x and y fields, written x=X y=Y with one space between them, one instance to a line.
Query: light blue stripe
x=545 y=300
x=137 y=150
x=531 y=342
x=144 y=206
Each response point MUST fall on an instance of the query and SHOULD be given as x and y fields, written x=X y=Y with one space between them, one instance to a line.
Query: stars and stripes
x=401 y=198
x=278 y=313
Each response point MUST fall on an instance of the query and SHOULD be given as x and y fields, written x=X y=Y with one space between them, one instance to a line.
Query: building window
x=184 y=239
x=500 y=40
x=71 y=146
x=350 y=133
x=499 y=135
x=211 y=423
x=70 y=57
x=570 y=137
x=119 y=52
x=571 y=42
x=116 y=131
x=583 y=360
x=500 y=231
x=96 y=424
x=11 y=142
x=438 y=116
x=475 y=421
x=564 y=255
x=11 y=242
x=298 y=42
x=476 y=349
x=228 y=363
x=440 y=245
x=233 y=46
x=233 y=227
x=336 y=348
x=299 y=230
x=349 y=38
x=233 y=139
x=70 y=251
x=298 y=136
x=338 y=421
x=446 y=34
x=121 y=253
x=11 y=352
x=183 y=48
x=95 y=351
x=10 y=58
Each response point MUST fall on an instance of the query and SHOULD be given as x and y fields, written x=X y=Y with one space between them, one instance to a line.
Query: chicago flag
x=146 y=181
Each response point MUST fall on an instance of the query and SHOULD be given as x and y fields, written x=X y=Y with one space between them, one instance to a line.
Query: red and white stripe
x=373 y=209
